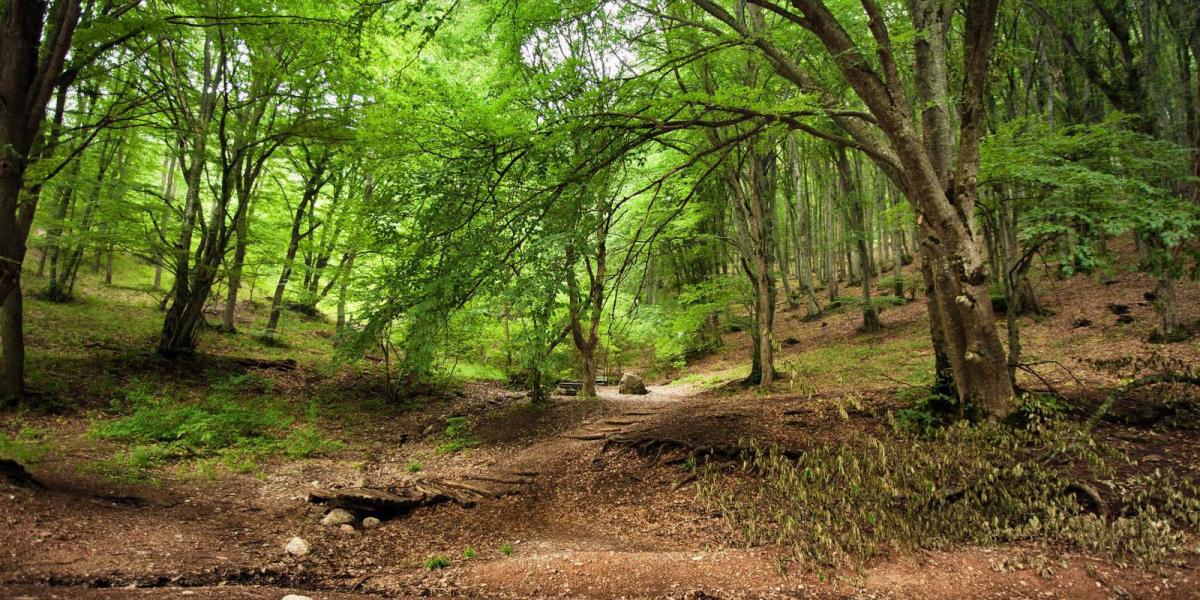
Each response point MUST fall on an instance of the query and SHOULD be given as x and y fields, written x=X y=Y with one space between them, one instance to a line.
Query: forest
x=685 y=299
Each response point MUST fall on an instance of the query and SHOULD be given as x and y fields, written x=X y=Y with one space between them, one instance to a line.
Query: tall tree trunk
x=167 y=187
x=344 y=289
x=852 y=192
x=12 y=332
x=229 y=312
x=316 y=180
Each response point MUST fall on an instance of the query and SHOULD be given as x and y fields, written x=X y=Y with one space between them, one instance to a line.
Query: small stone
x=337 y=516
x=346 y=528
x=297 y=547
x=371 y=523
x=296 y=597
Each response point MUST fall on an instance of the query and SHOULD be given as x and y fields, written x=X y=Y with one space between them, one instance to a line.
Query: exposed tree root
x=400 y=500
x=16 y=474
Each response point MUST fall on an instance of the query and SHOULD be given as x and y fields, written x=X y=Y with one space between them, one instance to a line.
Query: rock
x=632 y=384
x=296 y=597
x=346 y=528
x=371 y=523
x=1081 y=322
x=297 y=547
x=337 y=516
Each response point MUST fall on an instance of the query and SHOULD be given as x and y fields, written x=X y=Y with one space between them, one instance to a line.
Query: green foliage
x=926 y=410
x=28 y=445
x=839 y=506
x=459 y=435
x=436 y=562
x=468 y=553
x=506 y=549
x=226 y=424
x=690 y=322
x=1082 y=183
x=414 y=467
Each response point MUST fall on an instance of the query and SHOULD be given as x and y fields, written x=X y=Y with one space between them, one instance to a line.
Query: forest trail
x=602 y=518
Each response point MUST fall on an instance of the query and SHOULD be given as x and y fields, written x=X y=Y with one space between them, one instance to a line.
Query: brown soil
x=606 y=511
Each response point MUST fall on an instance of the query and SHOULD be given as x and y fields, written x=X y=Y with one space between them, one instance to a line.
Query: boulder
x=297 y=546
x=632 y=384
x=371 y=523
x=337 y=516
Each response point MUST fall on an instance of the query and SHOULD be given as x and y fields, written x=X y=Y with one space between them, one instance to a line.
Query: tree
x=916 y=154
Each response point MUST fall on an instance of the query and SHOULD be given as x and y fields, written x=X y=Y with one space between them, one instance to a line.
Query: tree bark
x=12 y=332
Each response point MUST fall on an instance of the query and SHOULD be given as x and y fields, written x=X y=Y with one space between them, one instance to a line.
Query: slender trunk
x=785 y=259
x=831 y=276
x=343 y=291
x=313 y=187
x=1167 y=305
x=229 y=314
x=12 y=332
x=168 y=193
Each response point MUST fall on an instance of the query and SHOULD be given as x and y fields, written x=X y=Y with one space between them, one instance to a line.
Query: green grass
x=506 y=549
x=905 y=359
x=459 y=435
x=713 y=379
x=437 y=562
x=477 y=372
x=26 y=446
x=228 y=425
x=469 y=553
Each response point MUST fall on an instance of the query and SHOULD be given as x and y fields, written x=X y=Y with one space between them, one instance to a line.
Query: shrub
x=838 y=506
x=437 y=562
x=459 y=435
x=226 y=424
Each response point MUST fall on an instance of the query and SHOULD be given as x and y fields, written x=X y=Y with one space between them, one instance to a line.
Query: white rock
x=371 y=523
x=346 y=528
x=297 y=546
x=296 y=597
x=337 y=516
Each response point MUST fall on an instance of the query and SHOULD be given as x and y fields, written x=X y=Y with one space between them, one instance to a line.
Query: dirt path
x=591 y=519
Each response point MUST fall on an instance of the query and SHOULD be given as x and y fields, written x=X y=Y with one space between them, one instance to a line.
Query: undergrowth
x=841 y=506
x=26 y=446
x=227 y=427
x=459 y=435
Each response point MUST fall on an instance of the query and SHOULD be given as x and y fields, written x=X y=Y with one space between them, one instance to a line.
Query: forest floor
x=596 y=499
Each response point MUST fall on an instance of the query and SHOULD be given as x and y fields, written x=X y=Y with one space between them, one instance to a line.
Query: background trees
x=557 y=189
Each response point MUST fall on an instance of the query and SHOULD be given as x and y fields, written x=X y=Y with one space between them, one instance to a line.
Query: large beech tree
x=927 y=147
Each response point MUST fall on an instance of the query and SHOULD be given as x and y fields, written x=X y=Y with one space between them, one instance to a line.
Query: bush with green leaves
x=437 y=562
